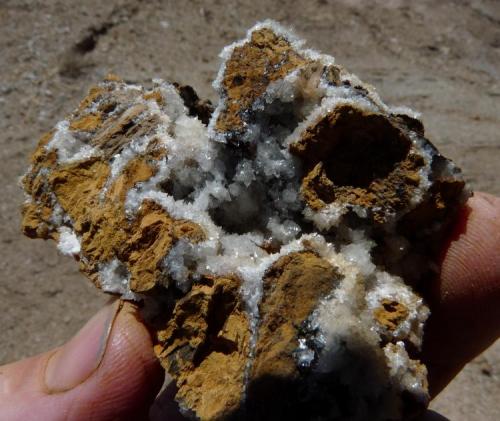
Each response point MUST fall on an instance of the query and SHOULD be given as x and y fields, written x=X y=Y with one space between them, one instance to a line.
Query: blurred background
x=440 y=58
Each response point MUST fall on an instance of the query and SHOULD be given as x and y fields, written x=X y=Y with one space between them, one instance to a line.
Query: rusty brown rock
x=99 y=220
x=264 y=58
x=292 y=288
x=369 y=162
x=205 y=346
x=390 y=314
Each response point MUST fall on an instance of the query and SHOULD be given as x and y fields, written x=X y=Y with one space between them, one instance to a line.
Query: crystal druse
x=277 y=244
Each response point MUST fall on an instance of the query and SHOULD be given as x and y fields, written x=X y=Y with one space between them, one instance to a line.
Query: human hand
x=108 y=370
x=465 y=300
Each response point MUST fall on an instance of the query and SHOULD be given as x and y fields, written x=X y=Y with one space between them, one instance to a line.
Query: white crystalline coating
x=284 y=231
x=326 y=218
x=344 y=325
x=406 y=373
x=358 y=253
x=58 y=216
x=69 y=149
x=387 y=287
x=176 y=263
x=68 y=243
x=402 y=110
x=174 y=106
x=303 y=354
x=114 y=277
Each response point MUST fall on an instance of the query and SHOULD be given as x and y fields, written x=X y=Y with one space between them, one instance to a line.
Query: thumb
x=465 y=301
x=107 y=371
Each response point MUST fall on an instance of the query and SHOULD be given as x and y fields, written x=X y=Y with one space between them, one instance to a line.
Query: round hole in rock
x=364 y=148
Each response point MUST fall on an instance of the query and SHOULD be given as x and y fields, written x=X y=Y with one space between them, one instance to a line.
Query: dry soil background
x=441 y=58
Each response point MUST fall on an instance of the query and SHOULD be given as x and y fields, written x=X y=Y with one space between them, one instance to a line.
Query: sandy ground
x=441 y=58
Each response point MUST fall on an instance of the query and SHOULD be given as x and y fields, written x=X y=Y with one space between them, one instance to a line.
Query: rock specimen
x=278 y=244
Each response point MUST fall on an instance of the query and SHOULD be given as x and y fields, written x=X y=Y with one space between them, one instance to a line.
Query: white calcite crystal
x=278 y=244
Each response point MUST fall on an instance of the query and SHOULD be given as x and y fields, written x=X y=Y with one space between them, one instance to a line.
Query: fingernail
x=75 y=362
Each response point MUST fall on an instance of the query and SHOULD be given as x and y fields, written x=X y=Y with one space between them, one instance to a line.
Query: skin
x=465 y=300
x=108 y=371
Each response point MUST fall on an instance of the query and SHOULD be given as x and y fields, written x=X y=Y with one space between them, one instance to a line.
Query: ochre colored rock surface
x=292 y=288
x=264 y=58
x=100 y=220
x=205 y=346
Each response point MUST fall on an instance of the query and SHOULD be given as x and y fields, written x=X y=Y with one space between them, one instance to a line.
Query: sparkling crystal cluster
x=277 y=243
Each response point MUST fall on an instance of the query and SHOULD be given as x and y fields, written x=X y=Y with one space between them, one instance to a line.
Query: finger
x=465 y=316
x=107 y=371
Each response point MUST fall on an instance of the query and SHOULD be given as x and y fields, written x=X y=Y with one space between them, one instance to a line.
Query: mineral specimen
x=278 y=244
